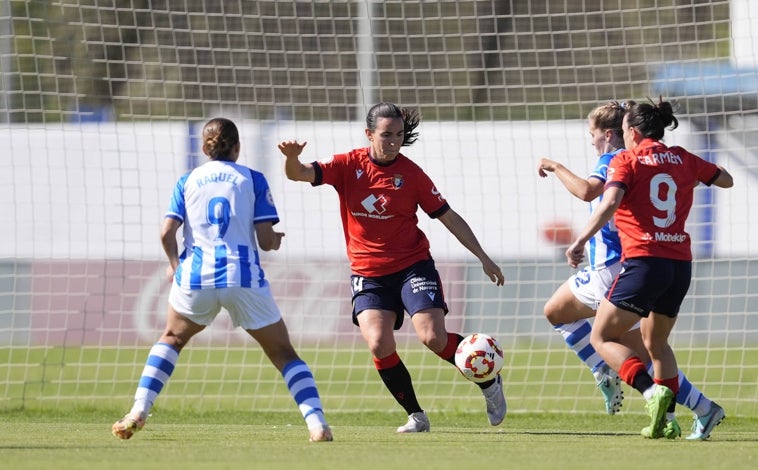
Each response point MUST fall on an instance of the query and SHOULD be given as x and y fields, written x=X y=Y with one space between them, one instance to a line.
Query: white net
x=100 y=107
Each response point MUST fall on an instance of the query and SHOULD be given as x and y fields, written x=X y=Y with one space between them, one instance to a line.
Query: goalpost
x=100 y=109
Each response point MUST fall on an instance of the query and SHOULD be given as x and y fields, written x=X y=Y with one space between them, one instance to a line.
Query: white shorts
x=249 y=308
x=589 y=286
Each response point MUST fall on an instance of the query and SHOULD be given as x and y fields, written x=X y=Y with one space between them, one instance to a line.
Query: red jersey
x=378 y=205
x=659 y=182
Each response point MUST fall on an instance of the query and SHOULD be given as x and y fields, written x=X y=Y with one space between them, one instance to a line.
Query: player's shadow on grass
x=538 y=433
x=726 y=437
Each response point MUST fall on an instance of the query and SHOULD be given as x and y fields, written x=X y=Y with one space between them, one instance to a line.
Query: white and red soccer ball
x=479 y=357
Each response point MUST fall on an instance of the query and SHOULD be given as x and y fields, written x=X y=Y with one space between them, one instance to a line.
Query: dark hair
x=609 y=116
x=409 y=116
x=220 y=135
x=651 y=119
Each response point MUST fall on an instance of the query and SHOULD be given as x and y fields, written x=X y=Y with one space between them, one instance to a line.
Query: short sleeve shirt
x=218 y=204
x=378 y=206
x=659 y=182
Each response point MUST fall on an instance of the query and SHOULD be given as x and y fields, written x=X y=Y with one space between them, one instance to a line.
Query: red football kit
x=378 y=205
x=658 y=182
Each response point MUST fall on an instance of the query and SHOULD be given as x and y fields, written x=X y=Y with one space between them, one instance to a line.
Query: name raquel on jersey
x=217 y=178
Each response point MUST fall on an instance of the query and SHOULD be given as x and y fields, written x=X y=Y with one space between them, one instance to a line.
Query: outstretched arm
x=585 y=189
x=458 y=227
x=295 y=170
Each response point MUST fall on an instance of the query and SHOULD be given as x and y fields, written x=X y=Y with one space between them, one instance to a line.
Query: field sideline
x=78 y=439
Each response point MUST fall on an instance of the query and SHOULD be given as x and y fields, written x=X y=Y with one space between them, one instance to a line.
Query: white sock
x=648 y=394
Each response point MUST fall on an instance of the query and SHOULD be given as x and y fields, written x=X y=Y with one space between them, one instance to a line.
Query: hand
x=493 y=272
x=291 y=149
x=170 y=271
x=546 y=165
x=575 y=253
x=277 y=240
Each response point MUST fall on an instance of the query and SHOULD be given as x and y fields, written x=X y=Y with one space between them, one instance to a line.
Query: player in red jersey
x=650 y=189
x=380 y=191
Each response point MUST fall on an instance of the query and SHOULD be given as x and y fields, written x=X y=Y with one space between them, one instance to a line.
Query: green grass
x=228 y=408
x=222 y=379
x=78 y=439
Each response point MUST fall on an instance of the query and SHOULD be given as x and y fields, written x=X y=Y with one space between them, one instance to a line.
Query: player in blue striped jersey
x=227 y=212
x=215 y=204
x=577 y=299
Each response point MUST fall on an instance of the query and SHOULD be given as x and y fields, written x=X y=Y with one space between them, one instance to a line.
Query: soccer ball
x=479 y=357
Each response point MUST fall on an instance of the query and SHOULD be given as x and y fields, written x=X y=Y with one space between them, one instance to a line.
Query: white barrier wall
x=97 y=191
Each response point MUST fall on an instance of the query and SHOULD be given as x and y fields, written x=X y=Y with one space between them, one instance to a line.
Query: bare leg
x=611 y=324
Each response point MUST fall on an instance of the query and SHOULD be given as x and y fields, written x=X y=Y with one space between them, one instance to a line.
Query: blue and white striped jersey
x=605 y=246
x=218 y=203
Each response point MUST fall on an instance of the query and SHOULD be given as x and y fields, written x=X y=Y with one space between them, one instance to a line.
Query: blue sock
x=302 y=387
x=577 y=337
x=689 y=395
x=158 y=368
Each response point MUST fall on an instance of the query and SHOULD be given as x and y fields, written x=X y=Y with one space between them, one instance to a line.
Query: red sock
x=387 y=362
x=398 y=381
x=630 y=368
x=672 y=383
x=448 y=353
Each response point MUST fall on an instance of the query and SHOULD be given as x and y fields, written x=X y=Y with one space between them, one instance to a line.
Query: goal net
x=101 y=104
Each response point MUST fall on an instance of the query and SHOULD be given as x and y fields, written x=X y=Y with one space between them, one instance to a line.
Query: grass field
x=64 y=440
x=225 y=408
x=240 y=379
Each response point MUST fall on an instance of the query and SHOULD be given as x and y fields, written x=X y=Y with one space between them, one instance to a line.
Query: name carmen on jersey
x=660 y=158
